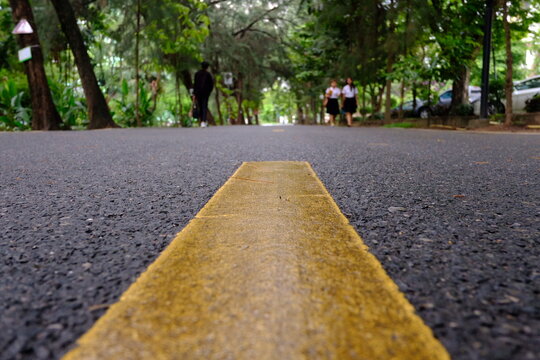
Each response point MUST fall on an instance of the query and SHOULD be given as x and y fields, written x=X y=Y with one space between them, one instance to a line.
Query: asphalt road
x=452 y=216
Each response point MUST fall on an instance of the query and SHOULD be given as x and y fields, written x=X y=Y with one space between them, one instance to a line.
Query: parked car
x=523 y=91
x=421 y=110
x=445 y=100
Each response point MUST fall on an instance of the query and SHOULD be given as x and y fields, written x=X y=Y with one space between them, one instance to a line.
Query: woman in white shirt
x=332 y=103
x=350 y=100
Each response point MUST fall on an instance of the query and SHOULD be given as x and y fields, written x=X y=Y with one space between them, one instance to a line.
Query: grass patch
x=401 y=125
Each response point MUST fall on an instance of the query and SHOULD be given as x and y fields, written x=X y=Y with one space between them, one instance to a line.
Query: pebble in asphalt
x=452 y=216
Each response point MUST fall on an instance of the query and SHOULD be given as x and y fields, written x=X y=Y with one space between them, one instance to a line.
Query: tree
x=457 y=27
x=98 y=110
x=248 y=41
x=509 y=86
x=44 y=113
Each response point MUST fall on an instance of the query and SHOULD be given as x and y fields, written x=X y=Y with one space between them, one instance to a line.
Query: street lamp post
x=488 y=24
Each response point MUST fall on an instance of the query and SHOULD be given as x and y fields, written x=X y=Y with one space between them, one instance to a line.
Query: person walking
x=202 y=88
x=350 y=100
x=331 y=101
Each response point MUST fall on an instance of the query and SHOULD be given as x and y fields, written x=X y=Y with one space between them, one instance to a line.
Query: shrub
x=71 y=105
x=15 y=108
x=463 y=110
x=377 y=116
x=533 y=104
x=366 y=110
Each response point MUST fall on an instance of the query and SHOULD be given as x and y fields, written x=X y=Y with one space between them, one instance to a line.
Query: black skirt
x=332 y=107
x=350 y=105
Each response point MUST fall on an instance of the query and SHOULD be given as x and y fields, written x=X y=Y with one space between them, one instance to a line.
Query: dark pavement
x=452 y=216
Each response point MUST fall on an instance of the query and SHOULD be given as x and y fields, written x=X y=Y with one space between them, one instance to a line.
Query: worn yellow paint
x=269 y=269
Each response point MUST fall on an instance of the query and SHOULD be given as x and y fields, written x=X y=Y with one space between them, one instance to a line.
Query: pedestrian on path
x=202 y=88
x=331 y=101
x=350 y=100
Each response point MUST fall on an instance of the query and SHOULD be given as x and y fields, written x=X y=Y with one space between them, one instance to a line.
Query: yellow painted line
x=286 y=277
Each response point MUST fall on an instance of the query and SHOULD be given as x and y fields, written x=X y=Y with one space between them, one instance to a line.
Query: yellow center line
x=279 y=280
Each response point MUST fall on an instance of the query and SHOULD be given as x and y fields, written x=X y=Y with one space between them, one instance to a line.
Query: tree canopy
x=280 y=56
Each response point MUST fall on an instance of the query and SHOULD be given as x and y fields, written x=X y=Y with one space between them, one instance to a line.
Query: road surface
x=453 y=217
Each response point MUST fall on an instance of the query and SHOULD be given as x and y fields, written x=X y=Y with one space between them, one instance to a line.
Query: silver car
x=523 y=91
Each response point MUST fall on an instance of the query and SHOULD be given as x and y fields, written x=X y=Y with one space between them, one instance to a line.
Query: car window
x=446 y=95
x=529 y=84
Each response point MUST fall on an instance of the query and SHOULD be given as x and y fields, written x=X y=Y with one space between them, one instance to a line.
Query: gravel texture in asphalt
x=452 y=216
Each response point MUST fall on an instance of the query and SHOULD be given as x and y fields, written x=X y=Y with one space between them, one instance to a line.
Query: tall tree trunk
x=240 y=100
x=509 y=85
x=179 y=110
x=460 y=88
x=248 y=114
x=216 y=69
x=98 y=110
x=313 y=110
x=401 y=99
x=388 y=102
x=300 y=114
x=187 y=79
x=218 y=105
x=44 y=114
x=138 y=119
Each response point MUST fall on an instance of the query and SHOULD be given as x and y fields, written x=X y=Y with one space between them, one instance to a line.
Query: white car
x=523 y=91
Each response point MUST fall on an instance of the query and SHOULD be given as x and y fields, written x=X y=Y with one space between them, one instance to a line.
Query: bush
x=463 y=110
x=377 y=116
x=71 y=105
x=366 y=110
x=533 y=104
x=15 y=107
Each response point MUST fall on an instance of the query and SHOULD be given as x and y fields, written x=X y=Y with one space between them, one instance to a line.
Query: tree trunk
x=388 y=102
x=179 y=110
x=45 y=116
x=138 y=119
x=509 y=85
x=98 y=110
x=460 y=88
x=187 y=79
x=401 y=99
x=248 y=114
x=240 y=100
x=218 y=105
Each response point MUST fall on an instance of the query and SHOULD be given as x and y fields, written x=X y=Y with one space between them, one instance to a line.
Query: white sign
x=25 y=54
x=23 y=27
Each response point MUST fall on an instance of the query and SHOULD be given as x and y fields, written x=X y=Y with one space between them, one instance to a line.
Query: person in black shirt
x=202 y=88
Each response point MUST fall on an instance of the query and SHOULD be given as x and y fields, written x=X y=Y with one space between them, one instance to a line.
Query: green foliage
x=463 y=110
x=401 y=125
x=123 y=108
x=8 y=48
x=281 y=53
x=71 y=105
x=533 y=104
x=15 y=106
